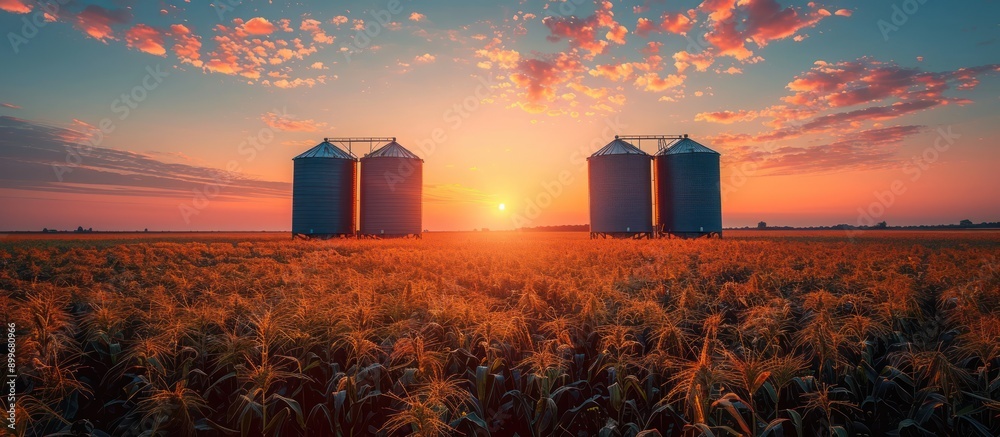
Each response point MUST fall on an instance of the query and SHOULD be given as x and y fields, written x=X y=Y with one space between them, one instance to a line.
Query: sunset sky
x=819 y=109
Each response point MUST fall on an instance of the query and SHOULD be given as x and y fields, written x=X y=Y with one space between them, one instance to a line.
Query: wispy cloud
x=29 y=152
x=287 y=123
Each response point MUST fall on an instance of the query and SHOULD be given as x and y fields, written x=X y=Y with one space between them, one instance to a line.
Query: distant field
x=974 y=234
x=185 y=236
x=780 y=333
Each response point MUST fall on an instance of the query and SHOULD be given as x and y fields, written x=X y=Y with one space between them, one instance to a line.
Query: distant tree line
x=558 y=228
x=964 y=224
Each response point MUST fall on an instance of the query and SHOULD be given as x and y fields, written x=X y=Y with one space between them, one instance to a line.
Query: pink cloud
x=583 y=32
x=768 y=21
x=540 y=77
x=862 y=150
x=10 y=105
x=287 y=123
x=644 y=26
x=300 y=82
x=760 y=21
x=146 y=39
x=866 y=80
x=839 y=101
x=417 y=16
x=726 y=117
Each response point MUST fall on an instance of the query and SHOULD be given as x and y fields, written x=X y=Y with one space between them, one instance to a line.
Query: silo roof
x=619 y=147
x=325 y=150
x=392 y=150
x=686 y=145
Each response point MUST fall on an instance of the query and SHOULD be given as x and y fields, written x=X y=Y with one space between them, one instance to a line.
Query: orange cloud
x=614 y=72
x=258 y=26
x=146 y=39
x=15 y=6
x=718 y=10
x=653 y=82
x=417 y=16
x=506 y=59
x=594 y=93
x=319 y=36
x=701 y=61
x=96 y=21
x=671 y=22
x=187 y=45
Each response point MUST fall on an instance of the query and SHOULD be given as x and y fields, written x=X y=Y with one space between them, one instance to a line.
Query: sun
x=502 y=207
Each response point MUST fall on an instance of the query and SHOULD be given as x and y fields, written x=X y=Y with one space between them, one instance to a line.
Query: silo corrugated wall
x=391 y=193
x=620 y=193
x=323 y=197
x=689 y=198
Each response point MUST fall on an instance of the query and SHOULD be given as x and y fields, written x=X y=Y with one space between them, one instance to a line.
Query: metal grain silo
x=324 y=192
x=688 y=194
x=621 y=198
x=392 y=181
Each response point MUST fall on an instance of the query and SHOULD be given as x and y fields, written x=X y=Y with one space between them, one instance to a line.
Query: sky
x=179 y=115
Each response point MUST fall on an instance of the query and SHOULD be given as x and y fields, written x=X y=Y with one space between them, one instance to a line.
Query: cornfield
x=760 y=334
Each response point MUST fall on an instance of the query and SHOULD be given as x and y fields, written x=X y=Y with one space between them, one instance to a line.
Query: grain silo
x=391 y=188
x=688 y=194
x=621 y=199
x=324 y=192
